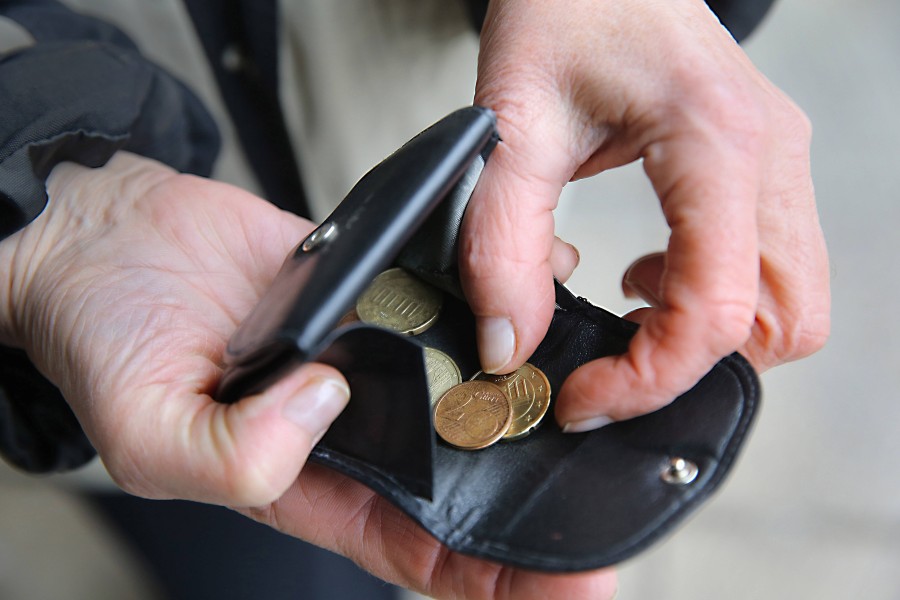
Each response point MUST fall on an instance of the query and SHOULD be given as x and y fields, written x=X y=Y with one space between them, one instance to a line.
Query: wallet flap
x=327 y=271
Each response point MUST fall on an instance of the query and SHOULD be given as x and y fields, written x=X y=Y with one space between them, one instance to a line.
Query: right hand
x=583 y=86
x=124 y=292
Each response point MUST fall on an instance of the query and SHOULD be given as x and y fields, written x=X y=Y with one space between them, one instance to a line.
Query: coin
x=472 y=415
x=400 y=302
x=528 y=391
x=442 y=373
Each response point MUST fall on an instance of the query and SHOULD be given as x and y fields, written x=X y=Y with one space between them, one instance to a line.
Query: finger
x=506 y=247
x=707 y=293
x=564 y=258
x=180 y=443
x=793 y=318
x=335 y=512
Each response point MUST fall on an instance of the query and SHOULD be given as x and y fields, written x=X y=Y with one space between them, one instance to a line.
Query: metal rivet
x=680 y=472
x=325 y=232
x=232 y=58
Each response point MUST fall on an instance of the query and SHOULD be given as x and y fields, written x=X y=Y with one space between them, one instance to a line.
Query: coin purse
x=551 y=501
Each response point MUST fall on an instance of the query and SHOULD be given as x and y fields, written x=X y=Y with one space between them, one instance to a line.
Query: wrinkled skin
x=594 y=85
x=126 y=289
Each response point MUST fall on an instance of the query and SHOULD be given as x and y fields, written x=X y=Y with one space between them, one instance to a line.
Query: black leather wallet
x=552 y=501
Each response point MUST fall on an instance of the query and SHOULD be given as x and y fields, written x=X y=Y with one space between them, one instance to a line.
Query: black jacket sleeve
x=80 y=93
x=740 y=17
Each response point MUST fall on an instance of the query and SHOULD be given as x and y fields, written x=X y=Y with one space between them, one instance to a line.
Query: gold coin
x=442 y=373
x=472 y=415
x=528 y=391
x=400 y=302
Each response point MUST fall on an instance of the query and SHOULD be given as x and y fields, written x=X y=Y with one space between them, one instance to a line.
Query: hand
x=580 y=87
x=124 y=293
x=340 y=514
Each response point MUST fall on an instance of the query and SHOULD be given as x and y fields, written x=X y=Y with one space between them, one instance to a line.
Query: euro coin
x=442 y=373
x=528 y=391
x=400 y=302
x=472 y=415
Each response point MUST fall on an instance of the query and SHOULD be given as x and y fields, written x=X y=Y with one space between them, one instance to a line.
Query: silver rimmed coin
x=401 y=302
x=472 y=415
x=442 y=373
x=528 y=391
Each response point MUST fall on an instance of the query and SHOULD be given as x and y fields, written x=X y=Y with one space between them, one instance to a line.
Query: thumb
x=243 y=454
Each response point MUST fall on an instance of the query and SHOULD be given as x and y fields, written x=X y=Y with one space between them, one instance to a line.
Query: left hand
x=583 y=86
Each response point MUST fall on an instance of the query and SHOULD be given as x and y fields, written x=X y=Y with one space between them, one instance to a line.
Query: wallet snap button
x=322 y=234
x=679 y=471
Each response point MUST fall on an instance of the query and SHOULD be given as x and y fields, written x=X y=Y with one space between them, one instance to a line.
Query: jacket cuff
x=740 y=17
x=38 y=431
x=81 y=101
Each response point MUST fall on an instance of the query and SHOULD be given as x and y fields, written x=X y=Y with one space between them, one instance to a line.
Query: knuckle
x=790 y=129
x=725 y=111
x=661 y=378
x=790 y=114
x=730 y=325
x=479 y=256
x=794 y=127
x=746 y=121
x=810 y=342
x=807 y=338
x=789 y=331
x=658 y=385
x=802 y=123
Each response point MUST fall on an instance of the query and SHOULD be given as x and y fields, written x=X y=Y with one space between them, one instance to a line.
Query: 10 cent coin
x=399 y=301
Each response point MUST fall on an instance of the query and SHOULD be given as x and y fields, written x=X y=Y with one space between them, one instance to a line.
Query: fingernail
x=577 y=254
x=316 y=405
x=587 y=424
x=496 y=343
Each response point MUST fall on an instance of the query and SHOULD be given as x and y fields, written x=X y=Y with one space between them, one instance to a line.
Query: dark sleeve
x=81 y=92
x=38 y=431
x=740 y=17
